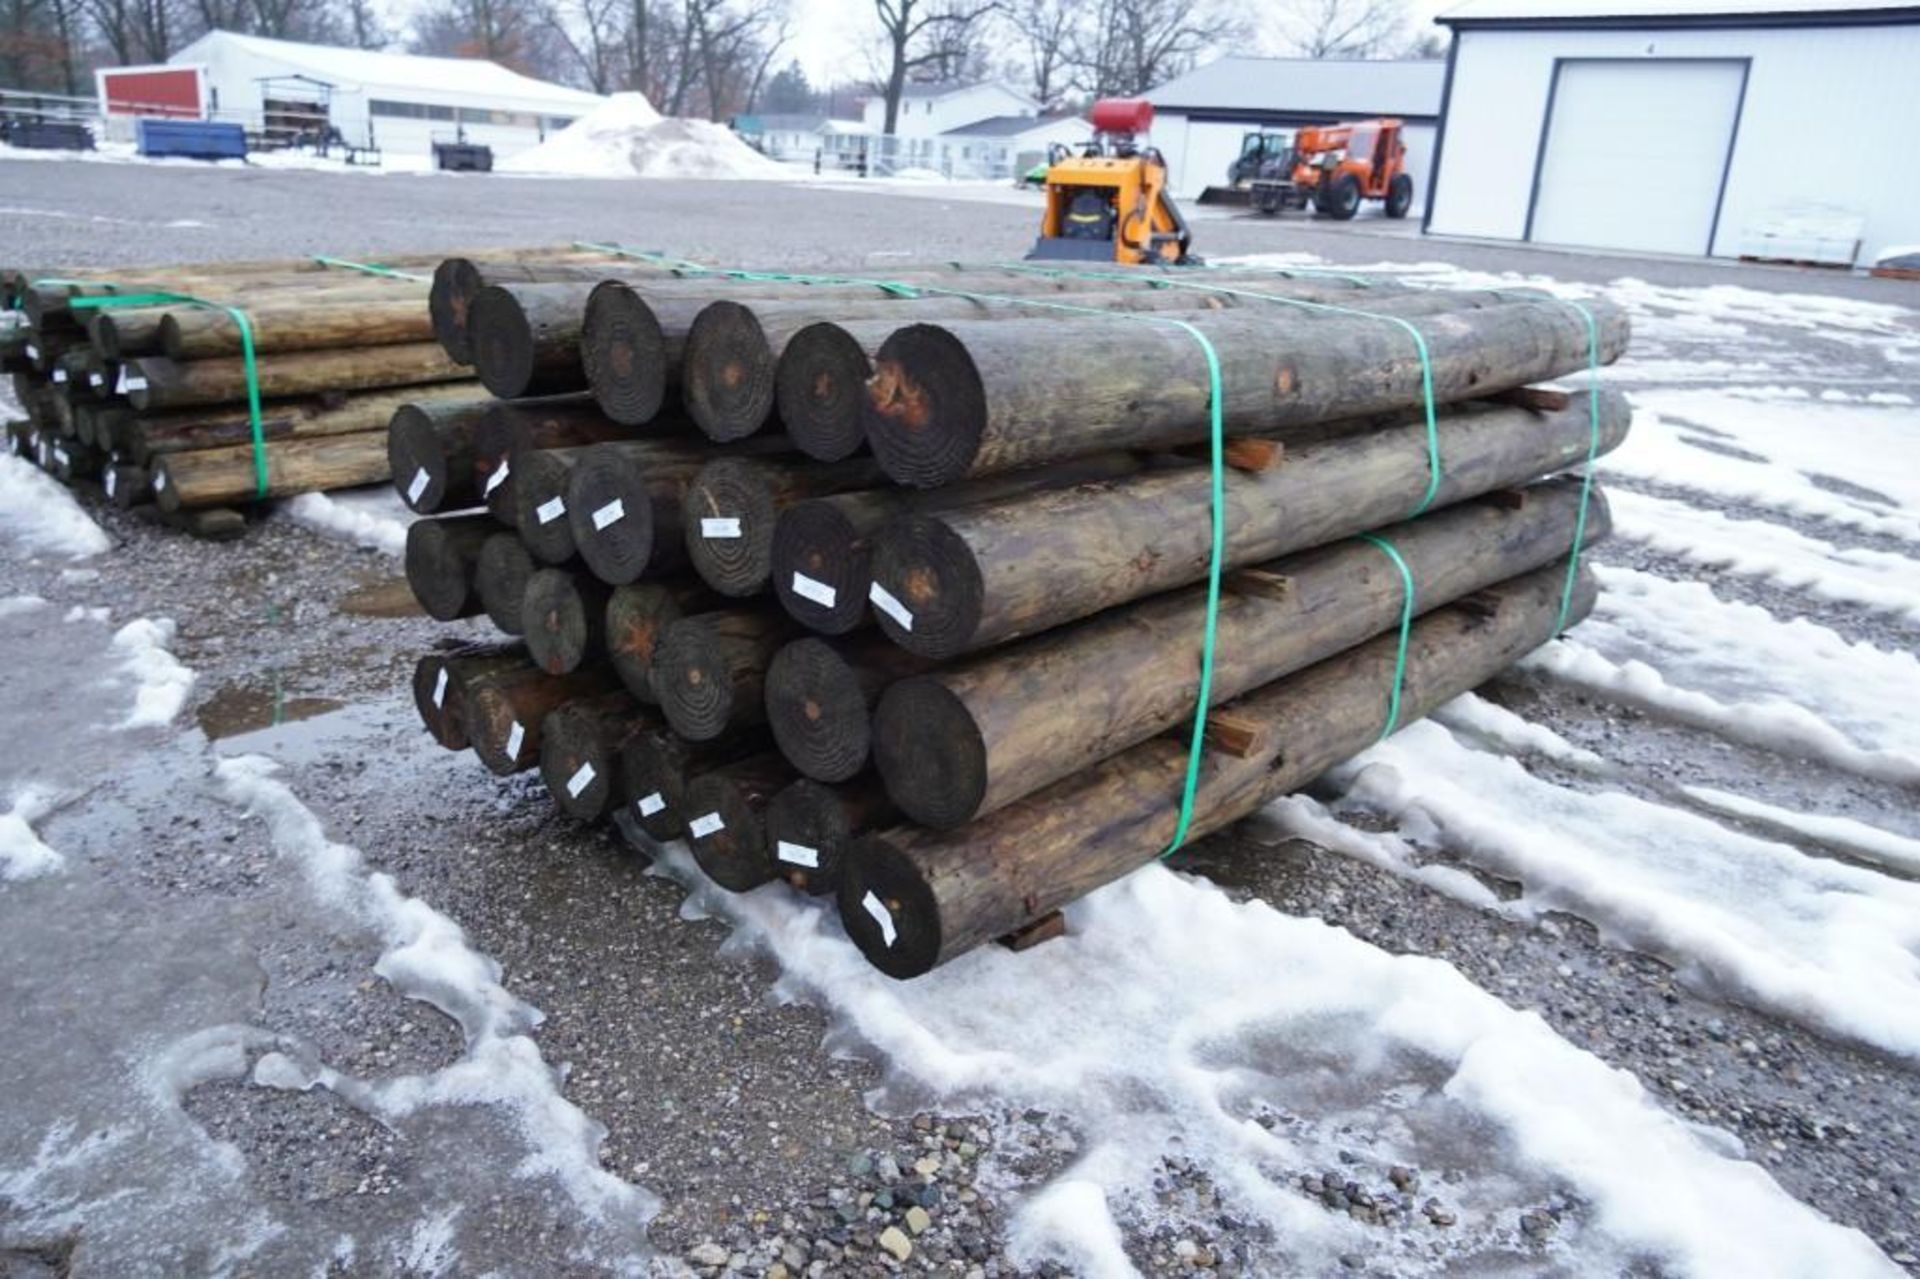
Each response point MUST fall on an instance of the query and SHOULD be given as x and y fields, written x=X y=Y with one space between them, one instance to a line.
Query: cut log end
x=441 y=565
x=653 y=778
x=502 y=342
x=820 y=392
x=455 y=281
x=578 y=762
x=728 y=372
x=418 y=461
x=433 y=699
x=637 y=617
x=727 y=834
x=887 y=908
x=808 y=833
x=501 y=577
x=818 y=711
x=692 y=681
x=927 y=590
x=562 y=614
x=821 y=568
x=728 y=515
x=929 y=752
x=625 y=354
x=540 y=479
x=926 y=407
x=612 y=515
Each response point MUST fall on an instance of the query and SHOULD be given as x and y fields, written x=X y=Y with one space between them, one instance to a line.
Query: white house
x=1201 y=117
x=928 y=110
x=400 y=103
x=1769 y=128
x=1012 y=144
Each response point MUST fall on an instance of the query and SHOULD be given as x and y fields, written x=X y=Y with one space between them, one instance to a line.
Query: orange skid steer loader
x=1336 y=166
x=1110 y=202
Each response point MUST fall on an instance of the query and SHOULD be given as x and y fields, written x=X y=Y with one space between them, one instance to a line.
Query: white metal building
x=400 y=103
x=1008 y=144
x=1201 y=117
x=1723 y=127
x=928 y=110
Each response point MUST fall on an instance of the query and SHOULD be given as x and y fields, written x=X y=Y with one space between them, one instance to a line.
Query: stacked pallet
x=903 y=594
x=150 y=396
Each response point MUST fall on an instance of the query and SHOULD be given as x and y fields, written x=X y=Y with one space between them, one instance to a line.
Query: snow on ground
x=627 y=138
x=23 y=855
x=38 y=514
x=160 y=683
x=373 y=517
x=1172 y=1020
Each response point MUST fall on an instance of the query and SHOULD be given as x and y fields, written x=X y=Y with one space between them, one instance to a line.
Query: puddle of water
x=381 y=597
x=238 y=709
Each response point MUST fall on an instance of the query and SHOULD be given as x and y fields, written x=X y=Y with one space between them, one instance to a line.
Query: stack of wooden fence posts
x=901 y=595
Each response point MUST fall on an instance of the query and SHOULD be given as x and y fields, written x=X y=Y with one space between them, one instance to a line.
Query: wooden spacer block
x=1259 y=583
x=1049 y=926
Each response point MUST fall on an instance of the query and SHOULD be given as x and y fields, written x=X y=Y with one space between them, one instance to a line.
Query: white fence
x=883 y=156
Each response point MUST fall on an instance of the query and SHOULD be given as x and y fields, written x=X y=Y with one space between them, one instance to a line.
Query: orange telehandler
x=1335 y=167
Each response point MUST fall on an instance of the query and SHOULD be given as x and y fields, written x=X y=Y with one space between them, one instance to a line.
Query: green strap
x=255 y=425
x=682 y=266
x=1406 y=629
x=370 y=268
x=1586 y=469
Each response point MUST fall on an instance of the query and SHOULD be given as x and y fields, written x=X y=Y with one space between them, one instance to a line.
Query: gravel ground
x=773 y=1147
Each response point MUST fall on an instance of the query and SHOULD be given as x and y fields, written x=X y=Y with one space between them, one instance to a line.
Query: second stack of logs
x=948 y=671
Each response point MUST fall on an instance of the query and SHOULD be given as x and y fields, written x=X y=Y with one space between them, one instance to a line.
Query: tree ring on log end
x=624 y=354
x=932 y=587
x=820 y=389
x=611 y=514
x=929 y=752
x=503 y=342
x=728 y=372
x=818 y=556
x=728 y=838
x=652 y=776
x=555 y=618
x=881 y=888
x=574 y=763
x=637 y=617
x=692 y=681
x=501 y=577
x=539 y=505
x=455 y=281
x=819 y=716
x=439 y=570
x=810 y=819
x=728 y=514
x=926 y=407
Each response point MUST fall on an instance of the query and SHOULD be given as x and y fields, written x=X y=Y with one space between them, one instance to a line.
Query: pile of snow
x=22 y=853
x=161 y=683
x=627 y=138
x=39 y=514
x=372 y=517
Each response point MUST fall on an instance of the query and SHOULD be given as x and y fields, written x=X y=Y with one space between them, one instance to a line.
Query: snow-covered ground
x=1760 y=607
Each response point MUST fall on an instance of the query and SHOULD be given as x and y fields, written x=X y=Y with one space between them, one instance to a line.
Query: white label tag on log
x=515 y=739
x=59 y=375
x=96 y=380
x=131 y=381
x=611 y=513
x=581 y=779
x=110 y=475
x=159 y=481
x=705 y=826
x=60 y=456
x=881 y=916
x=33 y=352
x=650 y=804
x=728 y=527
x=440 y=688
x=551 y=510
x=884 y=601
x=419 y=486
x=498 y=477
x=808 y=588
x=798 y=854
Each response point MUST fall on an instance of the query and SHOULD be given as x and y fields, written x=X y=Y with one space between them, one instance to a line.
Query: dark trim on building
x=1726 y=164
x=1440 y=137
x=1692 y=21
x=1265 y=115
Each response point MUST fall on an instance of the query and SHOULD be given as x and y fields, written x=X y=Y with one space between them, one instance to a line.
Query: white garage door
x=1635 y=154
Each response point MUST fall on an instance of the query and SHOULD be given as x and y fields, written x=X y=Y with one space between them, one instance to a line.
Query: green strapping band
x=896 y=287
x=1406 y=630
x=370 y=268
x=1586 y=476
x=255 y=425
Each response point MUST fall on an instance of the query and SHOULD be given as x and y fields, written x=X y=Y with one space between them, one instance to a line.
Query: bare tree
x=591 y=31
x=1129 y=46
x=1343 y=28
x=514 y=33
x=365 y=27
x=920 y=33
x=1045 y=33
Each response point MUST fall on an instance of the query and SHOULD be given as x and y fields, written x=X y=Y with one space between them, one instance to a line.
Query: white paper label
x=728 y=527
x=110 y=477
x=96 y=380
x=159 y=481
x=419 y=486
x=705 y=826
x=515 y=739
x=580 y=781
x=60 y=456
x=611 y=513
x=798 y=854
x=650 y=804
x=884 y=601
x=33 y=352
x=552 y=510
x=498 y=477
x=59 y=375
x=440 y=688
x=881 y=916
x=133 y=382
x=808 y=588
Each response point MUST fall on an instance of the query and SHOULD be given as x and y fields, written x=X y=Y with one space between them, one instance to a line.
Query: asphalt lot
x=719 y=1092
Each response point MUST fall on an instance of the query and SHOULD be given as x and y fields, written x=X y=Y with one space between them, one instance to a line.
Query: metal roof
x=1317 y=86
x=1552 y=13
x=1006 y=126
